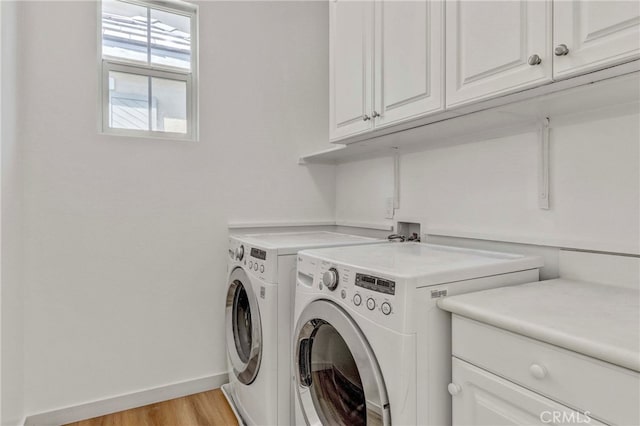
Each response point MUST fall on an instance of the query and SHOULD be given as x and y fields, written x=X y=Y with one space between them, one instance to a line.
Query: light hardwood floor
x=202 y=409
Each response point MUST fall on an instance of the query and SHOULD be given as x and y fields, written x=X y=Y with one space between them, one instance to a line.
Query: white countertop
x=596 y=320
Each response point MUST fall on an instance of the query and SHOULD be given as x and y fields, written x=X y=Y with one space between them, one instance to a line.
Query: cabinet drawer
x=484 y=399
x=608 y=392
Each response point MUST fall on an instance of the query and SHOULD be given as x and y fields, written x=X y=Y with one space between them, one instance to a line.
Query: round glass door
x=338 y=378
x=244 y=331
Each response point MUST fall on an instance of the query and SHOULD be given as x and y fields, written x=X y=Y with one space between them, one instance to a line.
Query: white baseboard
x=126 y=402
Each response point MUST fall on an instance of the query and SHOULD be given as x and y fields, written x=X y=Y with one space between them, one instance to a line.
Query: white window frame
x=109 y=63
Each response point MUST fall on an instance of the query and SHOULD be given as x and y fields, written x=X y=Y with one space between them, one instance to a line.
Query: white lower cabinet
x=482 y=398
x=504 y=378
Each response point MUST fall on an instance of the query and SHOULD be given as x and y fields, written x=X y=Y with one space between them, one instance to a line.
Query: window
x=148 y=68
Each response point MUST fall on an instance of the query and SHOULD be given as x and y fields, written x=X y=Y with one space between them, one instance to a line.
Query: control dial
x=239 y=252
x=330 y=279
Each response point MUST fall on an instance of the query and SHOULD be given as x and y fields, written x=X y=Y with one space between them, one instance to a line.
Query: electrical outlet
x=389 y=210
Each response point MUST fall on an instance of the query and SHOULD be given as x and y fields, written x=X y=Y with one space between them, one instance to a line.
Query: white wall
x=11 y=287
x=362 y=190
x=488 y=189
x=125 y=239
x=125 y=245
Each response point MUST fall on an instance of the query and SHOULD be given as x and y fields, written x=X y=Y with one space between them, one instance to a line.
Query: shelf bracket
x=543 y=164
x=396 y=179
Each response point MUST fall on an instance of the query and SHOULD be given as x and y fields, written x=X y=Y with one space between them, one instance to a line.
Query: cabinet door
x=409 y=59
x=596 y=34
x=350 y=67
x=490 y=44
x=488 y=400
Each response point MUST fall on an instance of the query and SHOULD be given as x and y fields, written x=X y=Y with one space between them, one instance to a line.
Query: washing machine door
x=338 y=378
x=244 y=330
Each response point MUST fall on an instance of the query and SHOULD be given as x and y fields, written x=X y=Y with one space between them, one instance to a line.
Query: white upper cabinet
x=496 y=47
x=589 y=35
x=408 y=59
x=406 y=79
x=351 y=67
x=399 y=64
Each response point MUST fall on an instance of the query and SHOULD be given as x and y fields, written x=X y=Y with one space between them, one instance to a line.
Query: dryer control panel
x=380 y=285
x=380 y=298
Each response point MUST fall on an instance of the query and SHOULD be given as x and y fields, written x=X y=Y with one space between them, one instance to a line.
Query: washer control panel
x=258 y=261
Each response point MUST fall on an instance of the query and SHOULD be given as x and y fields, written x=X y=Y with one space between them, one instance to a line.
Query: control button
x=371 y=304
x=255 y=266
x=357 y=299
x=261 y=268
x=386 y=308
x=343 y=294
x=250 y=264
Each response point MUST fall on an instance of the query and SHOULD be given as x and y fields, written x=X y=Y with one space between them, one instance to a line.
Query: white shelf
x=510 y=114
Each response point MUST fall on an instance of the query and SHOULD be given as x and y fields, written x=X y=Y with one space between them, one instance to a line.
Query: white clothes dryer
x=259 y=320
x=370 y=345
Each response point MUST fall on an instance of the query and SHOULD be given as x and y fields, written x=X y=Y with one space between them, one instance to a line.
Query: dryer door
x=338 y=379
x=244 y=331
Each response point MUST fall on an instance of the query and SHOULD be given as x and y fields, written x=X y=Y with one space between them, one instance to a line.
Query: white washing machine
x=259 y=320
x=370 y=345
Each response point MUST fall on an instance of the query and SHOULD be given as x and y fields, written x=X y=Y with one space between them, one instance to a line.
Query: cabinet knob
x=538 y=371
x=561 y=50
x=454 y=389
x=534 y=60
x=375 y=114
x=366 y=118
